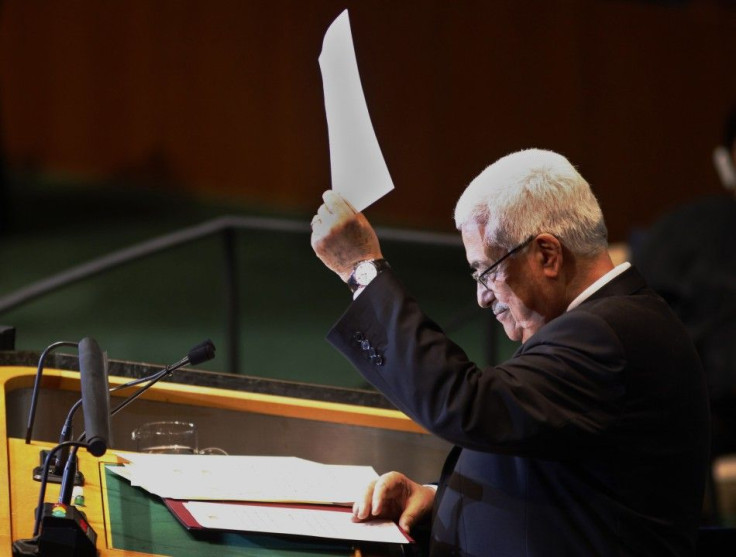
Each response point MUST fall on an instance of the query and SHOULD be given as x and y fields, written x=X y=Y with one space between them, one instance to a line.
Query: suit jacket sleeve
x=557 y=394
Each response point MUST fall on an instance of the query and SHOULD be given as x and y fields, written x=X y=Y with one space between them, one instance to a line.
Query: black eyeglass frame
x=481 y=278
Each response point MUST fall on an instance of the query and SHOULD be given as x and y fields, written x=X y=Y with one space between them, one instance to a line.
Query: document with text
x=310 y=521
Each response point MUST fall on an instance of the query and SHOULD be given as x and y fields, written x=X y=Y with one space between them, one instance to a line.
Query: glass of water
x=166 y=438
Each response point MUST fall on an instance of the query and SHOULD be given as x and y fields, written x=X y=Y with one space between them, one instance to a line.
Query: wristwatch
x=365 y=271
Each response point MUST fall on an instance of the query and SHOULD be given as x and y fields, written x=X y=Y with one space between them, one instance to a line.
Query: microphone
x=95 y=396
x=73 y=529
x=66 y=529
x=96 y=408
x=202 y=352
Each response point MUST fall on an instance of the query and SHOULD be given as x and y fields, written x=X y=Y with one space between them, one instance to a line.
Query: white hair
x=530 y=192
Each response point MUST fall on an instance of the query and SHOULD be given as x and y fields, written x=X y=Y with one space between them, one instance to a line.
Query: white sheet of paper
x=359 y=172
x=245 y=478
x=300 y=522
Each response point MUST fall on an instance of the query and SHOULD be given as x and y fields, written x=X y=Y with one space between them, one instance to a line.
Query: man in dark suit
x=592 y=439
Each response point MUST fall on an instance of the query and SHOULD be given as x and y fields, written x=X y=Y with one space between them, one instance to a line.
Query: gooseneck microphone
x=95 y=403
x=37 y=384
x=95 y=396
x=202 y=352
x=96 y=409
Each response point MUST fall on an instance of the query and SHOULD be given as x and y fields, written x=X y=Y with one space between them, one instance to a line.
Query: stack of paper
x=283 y=495
x=245 y=478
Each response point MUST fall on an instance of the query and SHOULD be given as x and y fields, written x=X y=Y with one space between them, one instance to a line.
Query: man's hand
x=396 y=497
x=341 y=236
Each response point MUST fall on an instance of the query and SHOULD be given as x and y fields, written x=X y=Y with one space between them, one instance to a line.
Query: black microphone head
x=95 y=396
x=203 y=352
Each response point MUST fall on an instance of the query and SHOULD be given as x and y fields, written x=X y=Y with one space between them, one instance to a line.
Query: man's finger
x=324 y=214
x=337 y=203
x=414 y=509
x=406 y=521
x=362 y=507
x=384 y=490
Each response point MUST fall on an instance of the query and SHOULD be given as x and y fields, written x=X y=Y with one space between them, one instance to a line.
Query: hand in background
x=396 y=497
x=341 y=236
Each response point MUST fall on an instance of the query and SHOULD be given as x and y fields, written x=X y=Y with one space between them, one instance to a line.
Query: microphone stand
x=200 y=353
x=68 y=477
x=42 y=491
x=53 y=476
x=37 y=384
x=58 y=519
x=70 y=468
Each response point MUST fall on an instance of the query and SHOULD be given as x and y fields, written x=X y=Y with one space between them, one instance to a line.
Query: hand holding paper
x=359 y=172
x=341 y=237
x=396 y=497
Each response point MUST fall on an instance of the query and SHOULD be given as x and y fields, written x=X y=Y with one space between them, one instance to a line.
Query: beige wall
x=225 y=96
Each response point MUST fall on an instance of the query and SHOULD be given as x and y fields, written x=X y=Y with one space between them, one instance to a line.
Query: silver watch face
x=365 y=272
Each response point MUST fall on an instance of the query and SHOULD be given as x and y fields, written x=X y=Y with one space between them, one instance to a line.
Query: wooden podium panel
x=19 y=495
x=24 y=494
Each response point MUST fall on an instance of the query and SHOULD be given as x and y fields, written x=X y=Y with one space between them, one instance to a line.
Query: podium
x=325 y=431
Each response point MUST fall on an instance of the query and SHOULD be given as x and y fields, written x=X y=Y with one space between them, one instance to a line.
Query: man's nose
x=485 y=296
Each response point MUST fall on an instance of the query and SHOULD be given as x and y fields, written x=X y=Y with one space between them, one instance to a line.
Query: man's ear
x=549 y=254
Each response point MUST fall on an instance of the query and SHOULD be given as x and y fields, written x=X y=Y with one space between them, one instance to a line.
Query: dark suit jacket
x=591 y=440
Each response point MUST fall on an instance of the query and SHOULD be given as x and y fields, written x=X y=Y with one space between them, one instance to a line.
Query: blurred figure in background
x=689 y=257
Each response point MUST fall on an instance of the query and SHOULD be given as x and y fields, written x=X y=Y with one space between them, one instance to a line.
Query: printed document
x=321 y=523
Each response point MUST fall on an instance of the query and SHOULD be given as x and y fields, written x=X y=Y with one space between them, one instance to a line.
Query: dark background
x=225 y=97
x=125 y=119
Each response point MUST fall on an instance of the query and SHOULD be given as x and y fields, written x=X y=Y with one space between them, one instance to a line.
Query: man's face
x=515 y=292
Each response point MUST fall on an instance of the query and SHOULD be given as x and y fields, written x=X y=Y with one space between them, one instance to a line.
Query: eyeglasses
x=490 y=273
